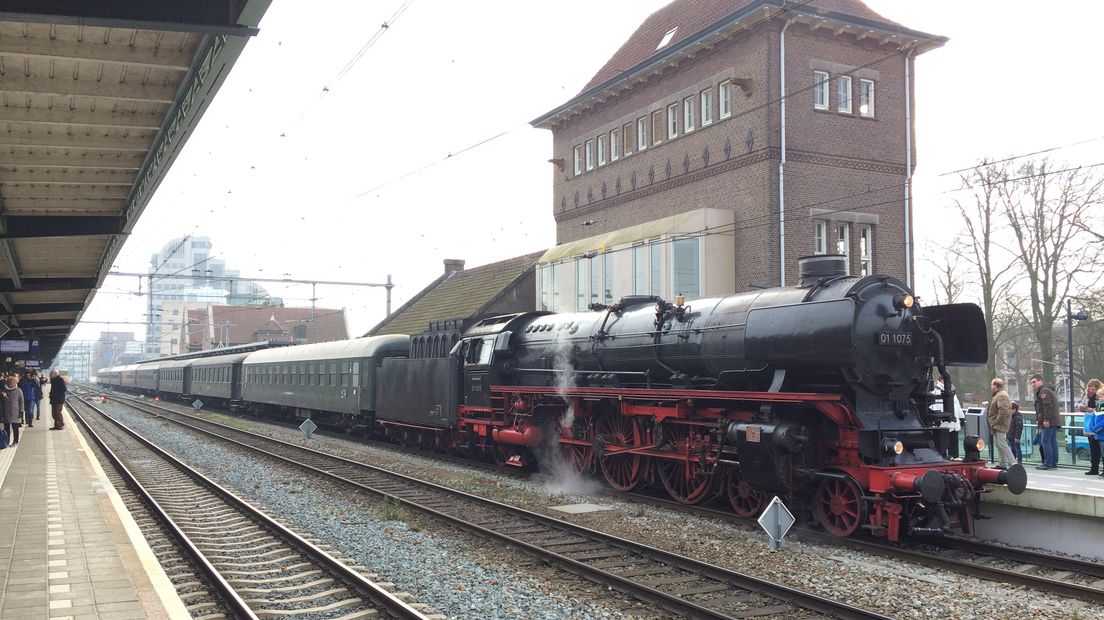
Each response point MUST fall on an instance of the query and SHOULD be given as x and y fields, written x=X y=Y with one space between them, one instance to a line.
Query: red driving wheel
x=839 y=506
x=747 y=501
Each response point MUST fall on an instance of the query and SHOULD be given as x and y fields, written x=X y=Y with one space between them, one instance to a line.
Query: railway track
x=257 y=567
x=678 y=584
x=1068 y=577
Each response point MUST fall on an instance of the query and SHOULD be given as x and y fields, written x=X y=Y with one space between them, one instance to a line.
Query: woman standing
x=13 y=408
x=1087 y=407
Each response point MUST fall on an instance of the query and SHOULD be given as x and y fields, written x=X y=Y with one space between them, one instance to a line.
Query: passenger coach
x=333 y=382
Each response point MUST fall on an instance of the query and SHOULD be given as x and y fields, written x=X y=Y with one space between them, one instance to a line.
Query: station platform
x=1065 y=490
x=68 y=546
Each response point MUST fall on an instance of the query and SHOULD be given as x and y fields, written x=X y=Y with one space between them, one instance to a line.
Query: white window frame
x=726 y=98
x=706 y=107
x=642 y=133
x=589 y=151
x=602 y=150
x=843 y=243
x=866 y=250
x=866 y=98
x=578 y=153
x=615 y=144
x=688 y=116
x=820 y=90
x=672 y=121
x=820 y=237
x=843 y=94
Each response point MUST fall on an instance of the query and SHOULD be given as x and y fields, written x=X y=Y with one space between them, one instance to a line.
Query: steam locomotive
x=819 y=392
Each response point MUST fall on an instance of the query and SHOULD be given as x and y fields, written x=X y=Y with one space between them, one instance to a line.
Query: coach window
x=344 y=374
x=333 y=374
x=356 y=374
x=310 y=374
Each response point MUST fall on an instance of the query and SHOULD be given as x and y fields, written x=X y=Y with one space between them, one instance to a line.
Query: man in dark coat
x=57 y=399
x=1048 y=419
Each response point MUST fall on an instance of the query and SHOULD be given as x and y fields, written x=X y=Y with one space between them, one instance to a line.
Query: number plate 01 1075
x=895 y=339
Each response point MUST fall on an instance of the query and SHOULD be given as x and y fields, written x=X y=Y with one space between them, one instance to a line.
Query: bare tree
x=950 y=282
x=983 y=220
x=1043 y=204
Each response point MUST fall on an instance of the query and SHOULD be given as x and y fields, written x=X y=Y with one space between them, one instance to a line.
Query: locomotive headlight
x=892 y=446
x=972 y=446
x=980 y=444
x=903 y=301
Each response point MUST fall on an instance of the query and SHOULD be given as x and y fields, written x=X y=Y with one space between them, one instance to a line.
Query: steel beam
x=49 y=284
x=169 y=58
x=109 y=139
x=60 y=157
x=68 y=87
x=32 y=226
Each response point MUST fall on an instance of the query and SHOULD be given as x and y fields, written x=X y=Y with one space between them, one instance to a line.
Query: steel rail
x=670 y=602
x=374 y=593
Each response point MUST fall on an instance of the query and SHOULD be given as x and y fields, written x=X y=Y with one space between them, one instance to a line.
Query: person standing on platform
x=1049 y=420
x=1087 y=407
x=1015 y=432
x=37 y=395
x=57 y=399
x=13 y=408
x=26 y=385
x=1000 y=418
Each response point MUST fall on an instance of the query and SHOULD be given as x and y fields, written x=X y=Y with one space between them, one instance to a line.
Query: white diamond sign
x=198 y=404
x=776 y=520
x=308 y=427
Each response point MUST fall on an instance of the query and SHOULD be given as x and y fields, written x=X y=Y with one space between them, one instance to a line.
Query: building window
x=820 y=241
x=639 y=257
x=607 y=277
x=595 y=280
x=656 y=270
x=672 y=120
x=706 y=107
x=615 y=144
x=820 y=90
x=866 y=250
x=657 y=126
x=843 y=94
x=546 y=288
x=667 y=38
x=602 y=150
x=642 y=133
x=555 y=287
x=590 y=154
x=726 y=99
x=866 y=98
x=686 y=268
x=688 y=115
x=580 y=285
x=843 y=244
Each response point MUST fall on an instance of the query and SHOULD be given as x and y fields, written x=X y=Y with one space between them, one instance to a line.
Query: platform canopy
x=97 y=97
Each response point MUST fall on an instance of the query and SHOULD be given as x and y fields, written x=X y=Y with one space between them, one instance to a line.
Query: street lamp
x=1070 y=318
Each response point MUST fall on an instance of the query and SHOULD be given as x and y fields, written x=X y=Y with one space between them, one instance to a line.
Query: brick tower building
x=727 y=138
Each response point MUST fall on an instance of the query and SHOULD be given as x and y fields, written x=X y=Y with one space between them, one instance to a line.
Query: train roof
x=218 y=360
x=339 y=349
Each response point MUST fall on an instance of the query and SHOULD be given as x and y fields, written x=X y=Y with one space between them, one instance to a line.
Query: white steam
x=561 y=478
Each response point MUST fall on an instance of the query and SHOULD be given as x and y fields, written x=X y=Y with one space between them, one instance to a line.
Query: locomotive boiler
x=818 y=391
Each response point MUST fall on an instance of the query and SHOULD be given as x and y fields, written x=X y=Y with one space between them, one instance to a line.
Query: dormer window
x=667 y=38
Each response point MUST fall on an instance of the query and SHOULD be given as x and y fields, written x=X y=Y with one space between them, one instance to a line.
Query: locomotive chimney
x=815 y=268
x=453 y=265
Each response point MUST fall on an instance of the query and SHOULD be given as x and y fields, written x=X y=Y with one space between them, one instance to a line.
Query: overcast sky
x=311 y=168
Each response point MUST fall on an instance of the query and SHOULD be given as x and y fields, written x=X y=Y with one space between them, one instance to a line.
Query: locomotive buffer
x=776 y=520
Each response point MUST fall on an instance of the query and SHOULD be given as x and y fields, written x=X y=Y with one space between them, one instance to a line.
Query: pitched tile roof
x=328 y=323
x=691 y=17
x=462 y=294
